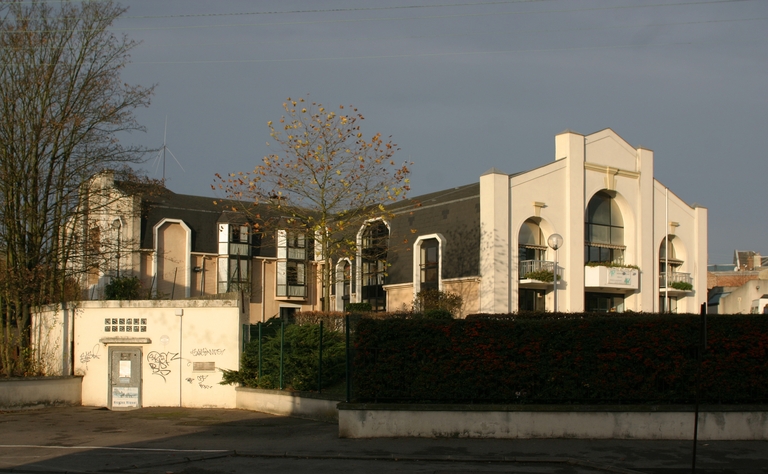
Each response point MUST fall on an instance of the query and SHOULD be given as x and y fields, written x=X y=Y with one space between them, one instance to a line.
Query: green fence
x=283 y=354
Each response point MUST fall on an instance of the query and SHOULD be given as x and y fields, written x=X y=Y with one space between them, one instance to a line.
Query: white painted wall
x=522 y=424
x=558 y=194
x=178 y=334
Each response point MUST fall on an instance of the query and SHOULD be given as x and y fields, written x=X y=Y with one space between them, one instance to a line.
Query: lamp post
x=117 y=224
x=555 y=241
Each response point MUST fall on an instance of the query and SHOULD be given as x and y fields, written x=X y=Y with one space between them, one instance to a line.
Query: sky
x=463 y=86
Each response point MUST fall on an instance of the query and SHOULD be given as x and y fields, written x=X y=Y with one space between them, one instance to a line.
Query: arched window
x=604 y=230
x=374 y=245
x=670 y=264
x=430 y=265
x=530 y=242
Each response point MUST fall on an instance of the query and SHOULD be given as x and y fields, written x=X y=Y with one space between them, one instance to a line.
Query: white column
x=495 y=258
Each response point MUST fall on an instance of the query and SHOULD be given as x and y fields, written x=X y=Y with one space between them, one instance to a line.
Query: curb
x=435 y=458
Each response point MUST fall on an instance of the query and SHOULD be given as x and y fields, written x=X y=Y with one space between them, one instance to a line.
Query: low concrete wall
x=278 y=402
x=33 y=392
x=715 y=423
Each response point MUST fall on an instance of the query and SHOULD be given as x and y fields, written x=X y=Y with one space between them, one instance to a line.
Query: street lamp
x=117 y=224
x=555 y=241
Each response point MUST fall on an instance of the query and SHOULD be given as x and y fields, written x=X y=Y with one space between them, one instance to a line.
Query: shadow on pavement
x=88 y=439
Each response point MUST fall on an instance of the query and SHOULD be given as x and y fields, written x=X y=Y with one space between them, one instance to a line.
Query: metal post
x=555 y=241
x=701 y=346
x=320 y=362
x=346 y=330
x=259 y=353
x=555 y=280
x=282 y=340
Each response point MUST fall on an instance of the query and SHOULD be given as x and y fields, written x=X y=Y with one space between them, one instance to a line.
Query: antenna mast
x=161 y=154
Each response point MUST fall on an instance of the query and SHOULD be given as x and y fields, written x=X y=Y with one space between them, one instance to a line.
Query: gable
x=607 y=148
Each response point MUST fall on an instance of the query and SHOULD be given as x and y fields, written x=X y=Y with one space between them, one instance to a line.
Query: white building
x=628 y=243
x=621 y=231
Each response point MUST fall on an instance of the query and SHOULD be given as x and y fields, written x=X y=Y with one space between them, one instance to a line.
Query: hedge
x=300 y=358
x=561 y=359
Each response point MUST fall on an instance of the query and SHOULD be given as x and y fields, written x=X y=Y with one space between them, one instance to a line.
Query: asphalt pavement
x=208 y=441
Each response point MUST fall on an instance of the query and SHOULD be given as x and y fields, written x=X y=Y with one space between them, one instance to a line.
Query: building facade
x=626 y=243
x=181 y=247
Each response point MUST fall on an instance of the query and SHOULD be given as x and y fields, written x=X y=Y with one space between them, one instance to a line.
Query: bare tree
x=327 y=179
x=63 y=107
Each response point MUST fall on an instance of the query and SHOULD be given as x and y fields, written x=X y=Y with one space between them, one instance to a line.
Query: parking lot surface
x=207 y=441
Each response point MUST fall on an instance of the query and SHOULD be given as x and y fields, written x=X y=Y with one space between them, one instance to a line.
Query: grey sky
x=465 y=85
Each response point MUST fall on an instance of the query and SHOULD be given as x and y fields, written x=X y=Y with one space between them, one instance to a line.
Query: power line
x=484 y=33
x=415 y=55
x=432 y=17
x=354 y=20
x=336 y=10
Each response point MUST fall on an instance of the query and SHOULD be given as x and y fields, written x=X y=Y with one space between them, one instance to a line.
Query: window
x=291 y=245
x=604 y=231
x=531 y=248
x=674 y=262
x=530 y=300
x=430 y=264
x=375 y=242
x=240 y=233
x=343 y=286
x=291 y=264
x=663 y=304
x=125 y=324
x=346 y=281
x=604 y=303
x=234 y=274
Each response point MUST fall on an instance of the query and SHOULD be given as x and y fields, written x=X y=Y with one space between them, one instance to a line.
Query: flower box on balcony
x=601 y=276
x=681 y=285
x=541 y=275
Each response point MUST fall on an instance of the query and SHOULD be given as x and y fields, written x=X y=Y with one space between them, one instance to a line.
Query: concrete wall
x=33 y=392
x=740 y=299
x=184 y=345
x=356 y=421
x=283 y=403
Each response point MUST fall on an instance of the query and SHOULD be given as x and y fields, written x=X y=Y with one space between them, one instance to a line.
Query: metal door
x=124 y=378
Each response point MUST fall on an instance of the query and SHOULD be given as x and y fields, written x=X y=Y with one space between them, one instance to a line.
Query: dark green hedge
x=561 y=359
x=301 y=345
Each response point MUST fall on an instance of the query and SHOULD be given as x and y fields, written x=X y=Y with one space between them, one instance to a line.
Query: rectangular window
x=291 y=278
x=531 y=300
x=604 y=303
x=430 y=264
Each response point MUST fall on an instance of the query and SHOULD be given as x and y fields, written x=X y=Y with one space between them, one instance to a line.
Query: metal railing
x=673 y=278
x=528 y=266
x=291 y=290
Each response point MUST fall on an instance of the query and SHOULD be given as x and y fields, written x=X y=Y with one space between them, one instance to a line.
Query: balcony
x=537 y=274
x=678 y=284
x=611 y=278
x=291 y=291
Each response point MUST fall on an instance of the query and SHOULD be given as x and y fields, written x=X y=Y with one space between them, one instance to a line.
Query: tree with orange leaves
x=326 y=177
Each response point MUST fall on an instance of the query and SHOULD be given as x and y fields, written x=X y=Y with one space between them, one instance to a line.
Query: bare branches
x=62 y=104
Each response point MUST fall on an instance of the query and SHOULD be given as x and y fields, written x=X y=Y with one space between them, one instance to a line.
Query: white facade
x=146 y=353
x=556 y=198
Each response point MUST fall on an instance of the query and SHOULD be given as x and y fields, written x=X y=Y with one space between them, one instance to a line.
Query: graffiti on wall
x=160 y=362
x=201 y=382
x=204 y=351
x=88 y=356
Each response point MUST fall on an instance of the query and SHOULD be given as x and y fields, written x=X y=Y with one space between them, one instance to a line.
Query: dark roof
x=437 y=198
x=200 y=213
x=453 y=213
